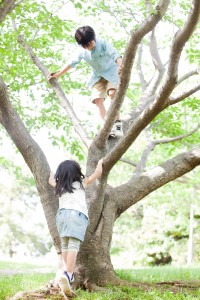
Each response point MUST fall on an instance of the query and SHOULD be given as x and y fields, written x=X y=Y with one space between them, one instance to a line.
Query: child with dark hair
x=106 y=66
x=84 y=35
x=72 y=215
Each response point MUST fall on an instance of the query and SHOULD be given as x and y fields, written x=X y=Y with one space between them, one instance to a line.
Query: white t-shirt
x=75 y=200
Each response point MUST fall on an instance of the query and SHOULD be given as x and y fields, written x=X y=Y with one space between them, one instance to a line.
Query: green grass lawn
x=158 y=274
x=32 y=278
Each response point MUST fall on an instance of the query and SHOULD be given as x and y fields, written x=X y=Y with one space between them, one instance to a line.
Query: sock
x=70 y=275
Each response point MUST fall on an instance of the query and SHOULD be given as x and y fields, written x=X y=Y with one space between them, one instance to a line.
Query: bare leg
x=100 y=104
x=70 y=249
x=71 y=260
x=64 y=258
x=117 y=130
x=111 y=94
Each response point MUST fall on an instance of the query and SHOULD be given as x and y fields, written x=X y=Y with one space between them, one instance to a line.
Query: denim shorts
x=71 y=223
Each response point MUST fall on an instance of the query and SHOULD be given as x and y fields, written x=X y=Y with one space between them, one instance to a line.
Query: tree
x=107 y=203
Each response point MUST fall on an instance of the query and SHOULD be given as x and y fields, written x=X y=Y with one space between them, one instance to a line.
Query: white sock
x=70 y=275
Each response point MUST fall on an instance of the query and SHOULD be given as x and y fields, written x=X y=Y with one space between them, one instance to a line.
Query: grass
x=32 y=279
x=17 y=277
x=24 y=267
x=160 y=274
x=12 y=284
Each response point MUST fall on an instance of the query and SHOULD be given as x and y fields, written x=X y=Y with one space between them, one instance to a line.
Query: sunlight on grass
x=12 y=284
x=133 y=293
x=24 y=266
x=160 y=274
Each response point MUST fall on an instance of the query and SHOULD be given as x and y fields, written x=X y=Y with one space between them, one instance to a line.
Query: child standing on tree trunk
x=106 y=66
x=72 y=215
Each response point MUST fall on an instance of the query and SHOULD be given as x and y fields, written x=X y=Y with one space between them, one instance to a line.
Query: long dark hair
x=67 y=172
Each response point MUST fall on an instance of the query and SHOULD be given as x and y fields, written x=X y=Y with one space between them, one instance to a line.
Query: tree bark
x=34 y=158
x=94 y=261
x=94 y=257
x=105 y=203
x=6 y=7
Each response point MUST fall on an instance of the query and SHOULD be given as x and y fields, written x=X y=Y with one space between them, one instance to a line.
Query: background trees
x=160 y=118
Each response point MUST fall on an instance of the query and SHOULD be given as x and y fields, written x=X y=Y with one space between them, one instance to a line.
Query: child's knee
x=64 y=243
x=74 y=244
x=111 y=93
x=99 y=101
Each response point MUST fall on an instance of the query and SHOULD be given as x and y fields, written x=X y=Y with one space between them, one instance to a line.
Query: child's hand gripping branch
x=87 y=180
x=58 y=74
x=97 y=173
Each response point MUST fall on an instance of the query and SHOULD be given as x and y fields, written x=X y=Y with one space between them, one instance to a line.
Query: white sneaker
x=118 y=129
x=65 y=286
x=112 y=133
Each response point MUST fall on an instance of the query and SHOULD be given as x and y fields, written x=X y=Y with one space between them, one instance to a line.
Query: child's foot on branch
x=117 y=130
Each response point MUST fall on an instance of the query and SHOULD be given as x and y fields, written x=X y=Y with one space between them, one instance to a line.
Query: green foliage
x=157 y=231
x=21 y=231
x=192 y=49
x=51 y=39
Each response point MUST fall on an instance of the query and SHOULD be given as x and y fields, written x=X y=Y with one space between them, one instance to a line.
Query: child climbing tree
x=107 y=203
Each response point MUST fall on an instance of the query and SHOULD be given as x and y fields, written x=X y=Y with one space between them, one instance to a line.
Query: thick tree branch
x=133 y=191
x=160 y=102
x=64 y=102
x=179 y=41
x=6 y=6
x=128 y=59
x=33 y=156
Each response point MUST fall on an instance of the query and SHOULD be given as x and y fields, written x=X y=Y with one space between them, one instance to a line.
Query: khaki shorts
x=100 y=89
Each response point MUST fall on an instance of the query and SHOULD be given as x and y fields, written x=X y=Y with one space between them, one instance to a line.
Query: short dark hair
x=68 y=171
x=84 y=35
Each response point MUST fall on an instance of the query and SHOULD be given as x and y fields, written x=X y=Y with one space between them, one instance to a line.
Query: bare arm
x=52 y=181
x=119 y=63
x=58 y=74
x=97 y=173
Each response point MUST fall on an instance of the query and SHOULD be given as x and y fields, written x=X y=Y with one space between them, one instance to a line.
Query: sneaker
x=112 y=133
x=118 y=129
x=70 y=279
x=64 y=284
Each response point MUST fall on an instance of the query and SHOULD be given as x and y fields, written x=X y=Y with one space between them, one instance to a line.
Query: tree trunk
x=94 y=262
x=33 y=156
